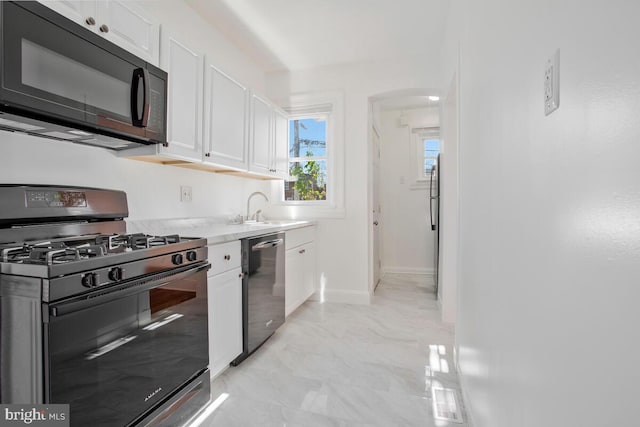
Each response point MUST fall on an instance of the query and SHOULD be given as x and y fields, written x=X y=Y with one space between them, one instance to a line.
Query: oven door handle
x=268 y=244
x=122 y=290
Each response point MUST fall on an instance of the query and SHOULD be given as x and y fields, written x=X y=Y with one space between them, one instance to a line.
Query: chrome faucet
x=249 y=201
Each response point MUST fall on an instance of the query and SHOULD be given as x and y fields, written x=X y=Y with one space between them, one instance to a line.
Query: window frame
x=334 y=207
x=326 y=115
x=421 y=176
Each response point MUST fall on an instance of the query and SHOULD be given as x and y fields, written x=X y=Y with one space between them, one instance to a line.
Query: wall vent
x=445 y=405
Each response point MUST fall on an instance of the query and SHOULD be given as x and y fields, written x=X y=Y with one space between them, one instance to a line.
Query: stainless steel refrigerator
x=434 y=215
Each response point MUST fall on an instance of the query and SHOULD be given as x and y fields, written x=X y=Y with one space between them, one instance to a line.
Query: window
x=428 y=148
x=307 y=159
x=315 y=188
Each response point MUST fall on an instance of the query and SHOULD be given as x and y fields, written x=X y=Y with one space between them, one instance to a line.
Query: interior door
x=376 y=208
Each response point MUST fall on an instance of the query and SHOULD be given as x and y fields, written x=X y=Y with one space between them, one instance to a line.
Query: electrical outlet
x=185 y=194
x=552 y=84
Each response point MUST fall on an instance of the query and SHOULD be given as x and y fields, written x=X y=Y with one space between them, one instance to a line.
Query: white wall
x=343 y=249
x=153 y=190
x=178 y=18
x=550 y=214
x=408 y=243
x=449 y=205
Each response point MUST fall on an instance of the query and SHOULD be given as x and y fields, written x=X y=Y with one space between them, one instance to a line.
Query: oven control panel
x=75 y=284
x=56 y=199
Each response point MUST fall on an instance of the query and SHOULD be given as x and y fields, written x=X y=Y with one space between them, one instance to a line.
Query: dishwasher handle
x=267 y=244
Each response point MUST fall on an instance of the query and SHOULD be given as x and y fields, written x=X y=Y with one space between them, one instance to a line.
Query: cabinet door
x=300 y=276
x=126 y=24
x=225 y=319
x=261 y=148
x=309 y=276
x=80 y=12
x=281 y=144
x=294 y=272
x=184 y=122
x=225 y=120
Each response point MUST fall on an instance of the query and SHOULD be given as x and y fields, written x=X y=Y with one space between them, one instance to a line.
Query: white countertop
x=212 y=229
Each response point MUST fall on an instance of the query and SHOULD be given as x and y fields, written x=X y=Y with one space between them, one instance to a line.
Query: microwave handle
x=136 y=119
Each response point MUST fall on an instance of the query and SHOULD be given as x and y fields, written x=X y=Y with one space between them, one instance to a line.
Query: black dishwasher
x=262 y=290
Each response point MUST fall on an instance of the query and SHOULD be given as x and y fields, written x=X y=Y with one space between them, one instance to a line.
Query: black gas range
x=113 y=324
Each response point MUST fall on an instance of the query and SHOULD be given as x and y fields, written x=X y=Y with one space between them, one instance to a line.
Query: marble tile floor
x=346 y=365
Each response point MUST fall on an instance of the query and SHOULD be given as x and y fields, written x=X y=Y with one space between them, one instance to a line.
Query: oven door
x=114 y=355
x=57 y=71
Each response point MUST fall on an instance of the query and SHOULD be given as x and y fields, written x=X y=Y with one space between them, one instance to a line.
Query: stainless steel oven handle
x=268 y=244
x=132 y=287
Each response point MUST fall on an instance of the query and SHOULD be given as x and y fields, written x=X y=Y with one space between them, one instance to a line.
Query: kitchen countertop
x=213 y=229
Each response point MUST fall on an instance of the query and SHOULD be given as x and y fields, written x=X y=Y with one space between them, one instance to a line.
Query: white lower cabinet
x=225 y=308
x=300 y=275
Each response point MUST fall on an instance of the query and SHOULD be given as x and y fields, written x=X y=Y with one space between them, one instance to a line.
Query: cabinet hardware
x=90 y=21
x=301 y=251
x=227 y=257
x=207 y=154
x=104 y=28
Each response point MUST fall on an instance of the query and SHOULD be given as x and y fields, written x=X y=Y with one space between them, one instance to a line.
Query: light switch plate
x=185 y=194
x=552 y=84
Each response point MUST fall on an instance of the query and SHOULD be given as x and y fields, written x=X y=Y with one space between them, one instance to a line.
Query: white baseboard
x=408 y=270
x=341 y=296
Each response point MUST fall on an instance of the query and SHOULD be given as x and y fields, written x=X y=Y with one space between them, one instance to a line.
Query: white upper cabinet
x=261 y=136
x=121 y=22
x=185 y=66
x=126 y=24
x=225 y=120
x=80 y=12
x=268 y=147
x=281 y=144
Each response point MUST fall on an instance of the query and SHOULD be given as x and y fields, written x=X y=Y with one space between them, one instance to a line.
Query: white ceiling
x=407 y=102
x=297 y=34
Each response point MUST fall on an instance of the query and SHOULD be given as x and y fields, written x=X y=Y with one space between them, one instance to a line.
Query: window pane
x=428 y=164
x=432 y=144
x=431 y=147
x=309 y=181
x=308 y=137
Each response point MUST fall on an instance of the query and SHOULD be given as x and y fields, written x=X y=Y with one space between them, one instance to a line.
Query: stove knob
x=177 y=259
x=115 y=274
x=192 y=256
x=90 y=280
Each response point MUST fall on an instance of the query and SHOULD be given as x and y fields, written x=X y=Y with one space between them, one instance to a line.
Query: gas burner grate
x=79 y=248
x=144 y=241
x=124 y=242
x=51 y=253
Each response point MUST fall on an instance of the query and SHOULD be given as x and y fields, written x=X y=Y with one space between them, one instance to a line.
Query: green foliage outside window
x=309 y=183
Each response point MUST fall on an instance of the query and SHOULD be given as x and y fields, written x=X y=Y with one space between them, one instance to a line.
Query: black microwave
x=62 y=81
